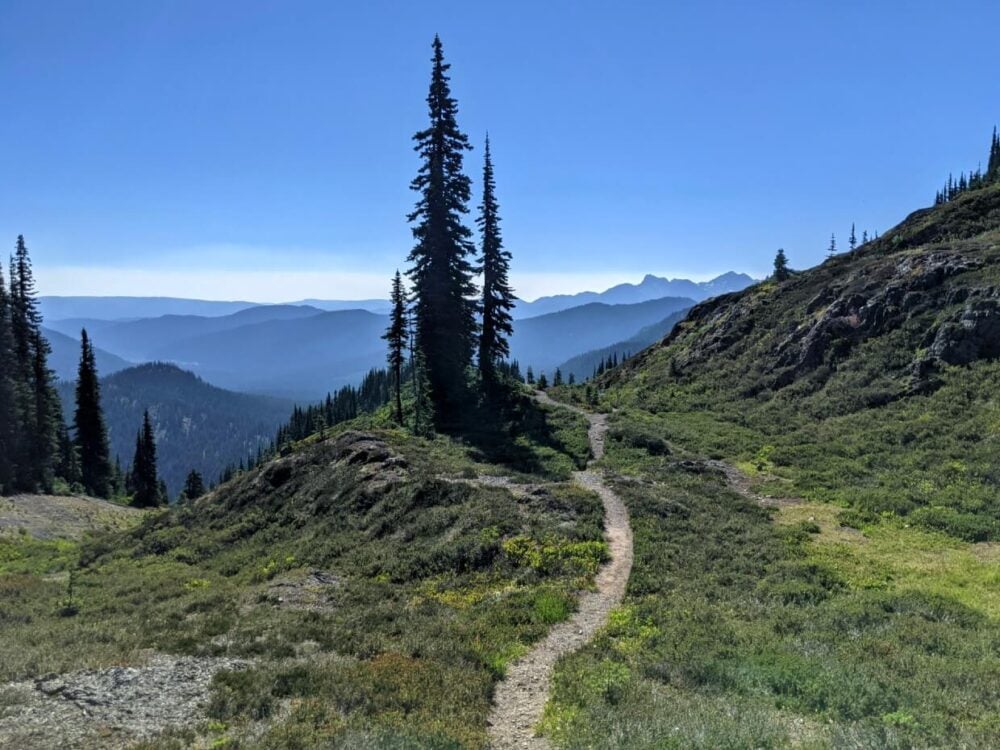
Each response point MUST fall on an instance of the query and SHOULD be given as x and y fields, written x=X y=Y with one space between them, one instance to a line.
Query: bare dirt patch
x=63 y=517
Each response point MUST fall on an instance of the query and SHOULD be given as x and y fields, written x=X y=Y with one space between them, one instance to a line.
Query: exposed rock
x=974 y=335
x=871 y=307
x=108 y=708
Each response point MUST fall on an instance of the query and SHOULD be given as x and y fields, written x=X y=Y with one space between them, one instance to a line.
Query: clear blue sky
x=201 y=148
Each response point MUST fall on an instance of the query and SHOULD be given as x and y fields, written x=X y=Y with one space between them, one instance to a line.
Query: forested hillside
x=197 y=426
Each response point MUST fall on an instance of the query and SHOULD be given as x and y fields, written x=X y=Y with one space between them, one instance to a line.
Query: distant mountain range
x=303 y=351
x=582 y=366
x=545 y=341
x=133 y=308
x=198 y=426
x=650 y=288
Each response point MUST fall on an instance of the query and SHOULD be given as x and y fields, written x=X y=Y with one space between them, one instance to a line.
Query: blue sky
x=261 y=150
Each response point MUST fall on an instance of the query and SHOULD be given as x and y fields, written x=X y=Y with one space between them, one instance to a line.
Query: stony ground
x=107 y=708
x=62 y=517
x=520 y=699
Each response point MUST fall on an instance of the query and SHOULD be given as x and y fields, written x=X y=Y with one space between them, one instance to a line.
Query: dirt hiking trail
x=520 y=698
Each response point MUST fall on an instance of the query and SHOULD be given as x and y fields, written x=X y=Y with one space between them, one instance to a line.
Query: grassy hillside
x=846 y=595
x=870 y=381
x=377 y=592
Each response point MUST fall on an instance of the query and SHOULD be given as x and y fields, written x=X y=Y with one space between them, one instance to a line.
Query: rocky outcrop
x=864 y=307
x=974 y=335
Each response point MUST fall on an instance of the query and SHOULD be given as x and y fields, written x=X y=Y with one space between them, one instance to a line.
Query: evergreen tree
x=194 y=486
x=852 y=241
x=543 y=382
x=39 y=412
x=91 y=434
x=498 y=297
x=572 y=379
x=781 y=272
x=397 y=336
x=529 y=377
x=145 y=483
x=993 y=165
x=864 y=237
x=9 y=432
x=441 y=271
x=557 y=379
x=832 y=250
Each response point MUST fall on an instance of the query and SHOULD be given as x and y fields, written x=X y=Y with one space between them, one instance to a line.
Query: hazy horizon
x=154 y=150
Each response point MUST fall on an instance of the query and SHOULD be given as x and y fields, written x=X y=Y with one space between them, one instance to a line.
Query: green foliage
x=737 y=632
x=422 y=614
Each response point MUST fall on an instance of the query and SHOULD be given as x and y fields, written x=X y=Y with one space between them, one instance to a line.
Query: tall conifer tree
x=397 y=336
x=498 y=298
x=145 y=483
x=91 y=433
x=39 y=410
x=441 y=271
x=8 y=396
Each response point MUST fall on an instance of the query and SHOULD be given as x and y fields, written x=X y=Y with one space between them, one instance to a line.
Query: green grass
x=440 y=585
x=744 y=627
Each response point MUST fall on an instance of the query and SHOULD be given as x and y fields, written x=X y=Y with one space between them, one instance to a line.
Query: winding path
x=520 y=698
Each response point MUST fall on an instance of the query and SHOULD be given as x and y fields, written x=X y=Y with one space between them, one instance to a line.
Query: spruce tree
x=145 y=483
x=441 y=273
x=557 y=379
x=91 y=434
x=194 y=486
x=396 y=335
x=832 y=250
x=993 y=165
x=38 y=409
x=498 y=297
x=529 y=377
x=8 y=396
x=852 y=241
x=781 y=272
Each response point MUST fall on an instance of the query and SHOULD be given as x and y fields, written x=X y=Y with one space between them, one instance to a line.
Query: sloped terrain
x=367 y=590
x=871 y=380
x=811 y=472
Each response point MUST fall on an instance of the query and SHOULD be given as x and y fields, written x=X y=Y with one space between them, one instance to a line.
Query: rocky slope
x=865 y=377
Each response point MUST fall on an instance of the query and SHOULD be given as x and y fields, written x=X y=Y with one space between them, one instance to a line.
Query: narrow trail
x=520 y=698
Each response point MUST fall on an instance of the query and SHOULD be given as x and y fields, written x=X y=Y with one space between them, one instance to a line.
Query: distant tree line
x=975 y=180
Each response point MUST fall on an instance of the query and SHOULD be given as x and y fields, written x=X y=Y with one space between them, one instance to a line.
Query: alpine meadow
x=362 y=392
